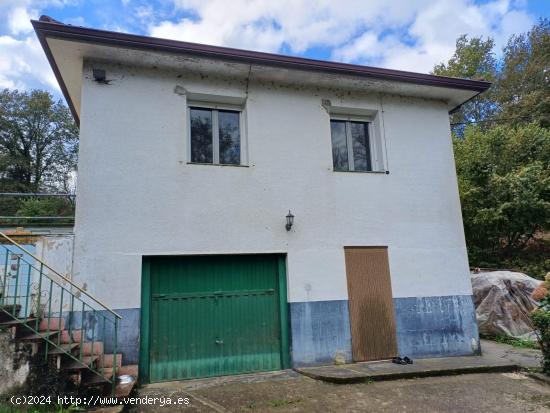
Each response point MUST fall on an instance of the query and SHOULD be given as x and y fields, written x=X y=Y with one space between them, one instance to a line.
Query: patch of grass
x=515 y=342
x=283 y=402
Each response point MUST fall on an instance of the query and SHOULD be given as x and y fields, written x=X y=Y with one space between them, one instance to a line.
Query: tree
x=504 y=182
x=38 y=142
x=473 y=59
x=523 y=88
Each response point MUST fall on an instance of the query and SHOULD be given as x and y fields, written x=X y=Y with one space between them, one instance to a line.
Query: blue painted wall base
x=128 y=331
x=436 y=326
x=426 y=327
x=320 y=331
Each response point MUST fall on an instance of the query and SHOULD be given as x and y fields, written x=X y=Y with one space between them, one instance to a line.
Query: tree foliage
x=523 y=88
x=502 y=148
x=473 y=59
x=521 y=79
x=504 y=182
x=38 y=142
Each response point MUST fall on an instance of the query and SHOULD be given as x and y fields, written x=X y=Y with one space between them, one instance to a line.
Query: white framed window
x=356 y=147
x=215 y=134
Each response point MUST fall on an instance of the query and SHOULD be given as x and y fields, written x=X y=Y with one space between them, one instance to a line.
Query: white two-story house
x=247 y=211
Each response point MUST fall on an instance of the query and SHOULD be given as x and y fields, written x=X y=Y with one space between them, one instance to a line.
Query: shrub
x=45 y=207
x=541 y=322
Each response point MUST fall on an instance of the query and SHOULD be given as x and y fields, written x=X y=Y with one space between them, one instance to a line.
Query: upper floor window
x=351 y=145
x=215 y=136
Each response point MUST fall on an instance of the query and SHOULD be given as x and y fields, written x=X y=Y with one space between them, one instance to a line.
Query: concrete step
x=84 y=363
x=52 y=323
x=65 y=348
x=130 y=369
x=39 y=336
x=97 y=348
x=386 y=370
x=76 y=335
x=107 y=360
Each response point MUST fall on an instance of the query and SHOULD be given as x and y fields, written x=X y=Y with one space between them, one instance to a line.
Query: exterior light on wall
x=289 y=220
x=99 y=75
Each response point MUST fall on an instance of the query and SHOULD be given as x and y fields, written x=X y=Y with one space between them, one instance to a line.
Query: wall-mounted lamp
x=99 y=75
x=289 y=220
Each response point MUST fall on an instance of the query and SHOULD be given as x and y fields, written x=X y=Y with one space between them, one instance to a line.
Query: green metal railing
x=34 y=294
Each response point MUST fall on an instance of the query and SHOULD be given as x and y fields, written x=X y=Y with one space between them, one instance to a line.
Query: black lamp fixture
x=99 y=75
x=289 y=220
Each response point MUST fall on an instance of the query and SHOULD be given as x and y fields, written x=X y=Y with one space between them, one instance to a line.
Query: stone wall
x=14 y=363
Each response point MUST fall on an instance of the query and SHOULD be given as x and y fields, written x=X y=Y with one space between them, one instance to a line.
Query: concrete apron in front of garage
x=495 y=358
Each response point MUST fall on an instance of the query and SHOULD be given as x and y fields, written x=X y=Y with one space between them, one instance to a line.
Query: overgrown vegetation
x=46 y=207
x=502 y=149
x=541 y=321
x=38 y=146
x=514 y=342
x=504 y=182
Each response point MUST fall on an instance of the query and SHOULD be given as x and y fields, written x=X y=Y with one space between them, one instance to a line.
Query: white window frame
x=377 y=165
x=215 y=108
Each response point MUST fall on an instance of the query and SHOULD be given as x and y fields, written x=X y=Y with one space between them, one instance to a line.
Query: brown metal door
x=373 y=335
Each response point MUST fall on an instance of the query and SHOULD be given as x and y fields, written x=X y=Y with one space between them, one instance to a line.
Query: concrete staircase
x=36 y=301
x=84 y=362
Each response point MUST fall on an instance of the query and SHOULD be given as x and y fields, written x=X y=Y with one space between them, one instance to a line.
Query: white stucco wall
x=57 y=252
x=138 y=196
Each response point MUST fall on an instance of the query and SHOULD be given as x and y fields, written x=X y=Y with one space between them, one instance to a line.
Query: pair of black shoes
x=402 y=360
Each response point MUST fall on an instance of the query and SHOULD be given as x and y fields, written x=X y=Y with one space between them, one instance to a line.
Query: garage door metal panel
x=214 y=315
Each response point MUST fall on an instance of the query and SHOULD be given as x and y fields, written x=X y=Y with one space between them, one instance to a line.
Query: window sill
x=218 y=164
x=364 y=172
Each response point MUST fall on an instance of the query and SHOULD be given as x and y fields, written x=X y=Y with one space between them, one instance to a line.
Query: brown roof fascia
x=48 y=27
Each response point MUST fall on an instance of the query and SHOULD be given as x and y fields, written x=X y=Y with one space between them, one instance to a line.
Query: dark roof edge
x=47 y=26
x=42 y=39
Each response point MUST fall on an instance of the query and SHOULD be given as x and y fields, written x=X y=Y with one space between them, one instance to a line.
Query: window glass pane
x=230 y=137
x=361 y=149
x=339 y=146
x=201 y=135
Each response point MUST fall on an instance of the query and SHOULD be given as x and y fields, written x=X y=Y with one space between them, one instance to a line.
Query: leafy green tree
x=473 y=59
x=38 y=142
x=523 y=88
x=504 y=182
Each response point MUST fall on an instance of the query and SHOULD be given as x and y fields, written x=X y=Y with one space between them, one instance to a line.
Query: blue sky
x=409 y=35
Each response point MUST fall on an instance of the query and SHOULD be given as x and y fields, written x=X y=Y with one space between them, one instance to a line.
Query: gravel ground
x=497 y=392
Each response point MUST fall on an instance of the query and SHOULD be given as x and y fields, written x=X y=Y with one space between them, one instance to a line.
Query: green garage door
x=213 y=316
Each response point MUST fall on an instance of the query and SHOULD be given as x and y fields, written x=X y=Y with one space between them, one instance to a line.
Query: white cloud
x=367 y=32
x=19 y=20
x=411 y=35
x=268 y=25
x=23 y=64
